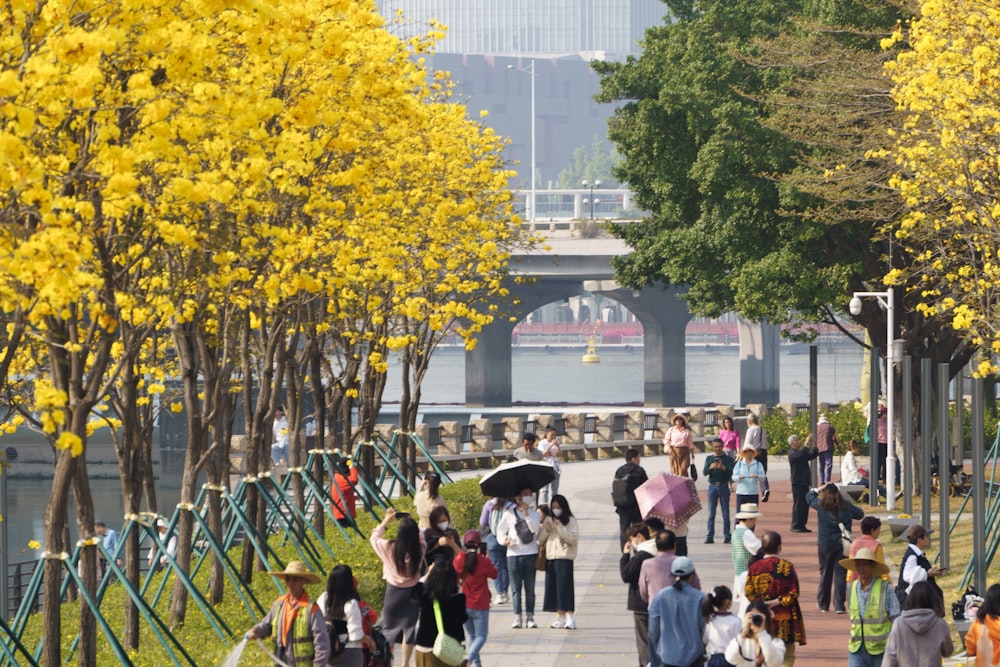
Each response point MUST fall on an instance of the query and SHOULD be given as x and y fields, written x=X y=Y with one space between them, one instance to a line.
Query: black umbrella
x=510 y=479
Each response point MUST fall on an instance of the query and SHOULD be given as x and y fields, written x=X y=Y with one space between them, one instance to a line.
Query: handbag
x=446 y=648
x=846 y=539
x=541 y=560
x=693 y=470
x=524 y=532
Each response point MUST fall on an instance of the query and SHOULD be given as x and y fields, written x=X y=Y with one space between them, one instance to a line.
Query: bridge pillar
x=488 y=372
x=759 y=363
x=664 y=316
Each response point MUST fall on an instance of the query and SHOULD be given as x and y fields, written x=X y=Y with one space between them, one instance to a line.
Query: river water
x=538 y=377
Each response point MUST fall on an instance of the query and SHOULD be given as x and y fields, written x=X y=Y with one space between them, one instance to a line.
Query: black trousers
x=832 y=575
x=800 y=508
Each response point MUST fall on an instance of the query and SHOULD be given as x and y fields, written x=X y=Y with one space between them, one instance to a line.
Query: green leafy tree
x=592 y=164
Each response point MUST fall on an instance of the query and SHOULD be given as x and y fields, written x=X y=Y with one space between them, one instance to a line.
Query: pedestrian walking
x=871 y=528
x=801 y=478
x=983 y=639
x=279 y=438
x=341 y=605
x=401 y=561
x=773 y=581
x=676 y=623
x=920 y=637
x=718 y=473
x=755 y=646
x=551 y=453
x=872 y=608
x=496 y=549
x=721 y=626
x=757 y=437
x=560 y=533
x=521 y=556
x=657 y=573
x=748 y=474
x=745 y=546
x=442 y=608
x=832 y=511
x=427 y=497
x=678 y=443
x=529 y=450
x=474 y=569
x=730 y=437
x=300 y=636
x=627 y=478
x=637 y=551
x=826 y=443
x=915 y=566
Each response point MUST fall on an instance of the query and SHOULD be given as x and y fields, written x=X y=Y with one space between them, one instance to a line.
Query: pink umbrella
x=670 y=498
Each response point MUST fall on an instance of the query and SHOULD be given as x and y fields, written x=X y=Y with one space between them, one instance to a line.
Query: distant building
x=612 y=28
x=490 y=46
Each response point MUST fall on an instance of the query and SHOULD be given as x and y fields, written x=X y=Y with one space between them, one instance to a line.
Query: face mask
x=530 y=498
x=443 y=525
x=557 y=512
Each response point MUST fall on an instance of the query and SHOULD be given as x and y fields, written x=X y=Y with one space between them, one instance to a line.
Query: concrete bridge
x=571 y=265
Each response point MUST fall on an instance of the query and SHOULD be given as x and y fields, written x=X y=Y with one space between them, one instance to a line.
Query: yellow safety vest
x=301 y=639
x=874 y=625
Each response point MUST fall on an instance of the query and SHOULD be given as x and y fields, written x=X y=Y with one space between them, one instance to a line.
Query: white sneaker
x=570 y=625
x=516 y=624
x=530 y=624
x=558 y=624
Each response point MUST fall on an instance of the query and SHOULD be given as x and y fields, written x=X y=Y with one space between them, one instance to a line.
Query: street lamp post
x=888 y=302
x=591 y=200
x=530 y=69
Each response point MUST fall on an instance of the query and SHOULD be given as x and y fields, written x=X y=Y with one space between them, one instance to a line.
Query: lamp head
x=855 y=306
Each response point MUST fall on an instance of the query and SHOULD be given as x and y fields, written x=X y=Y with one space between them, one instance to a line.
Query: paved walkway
x=605 y=636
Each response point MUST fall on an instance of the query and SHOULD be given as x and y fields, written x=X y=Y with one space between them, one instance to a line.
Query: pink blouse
x=677 y=438
x=730 y=440
x=383 y=548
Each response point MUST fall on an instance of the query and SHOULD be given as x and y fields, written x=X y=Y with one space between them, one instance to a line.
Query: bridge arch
x=565 y=270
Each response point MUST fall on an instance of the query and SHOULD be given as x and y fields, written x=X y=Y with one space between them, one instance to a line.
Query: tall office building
x=491 y=45
x=522 y=27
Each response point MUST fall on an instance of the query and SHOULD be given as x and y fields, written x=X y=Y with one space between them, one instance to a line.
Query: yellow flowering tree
x=948 y=85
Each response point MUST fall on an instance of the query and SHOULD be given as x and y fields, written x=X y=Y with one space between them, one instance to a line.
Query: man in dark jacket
x=801 y=475
x=627 y=478
x=638 y=549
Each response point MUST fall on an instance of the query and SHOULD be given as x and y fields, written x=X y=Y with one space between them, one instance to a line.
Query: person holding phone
x=755 y=647
x=401 y=561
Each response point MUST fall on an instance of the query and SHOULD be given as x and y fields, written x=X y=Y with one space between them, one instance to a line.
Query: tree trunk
x=87 y=648
x=55 y=522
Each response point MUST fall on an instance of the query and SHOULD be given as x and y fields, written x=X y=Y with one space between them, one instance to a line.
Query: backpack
x=622 y=489
x=335 y=628
x=382 y=655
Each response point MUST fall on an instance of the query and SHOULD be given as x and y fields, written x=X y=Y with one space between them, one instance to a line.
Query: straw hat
x=748 y=511
x=297 y=568
x=864 y=553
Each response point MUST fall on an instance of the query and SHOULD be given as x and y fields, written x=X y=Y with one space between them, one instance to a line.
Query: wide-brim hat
x=673 y=420
x=864 y=553
x=748 y=448
x=748 y=511
x=297 y=568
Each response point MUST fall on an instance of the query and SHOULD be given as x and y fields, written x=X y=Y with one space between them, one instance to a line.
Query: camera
x=757 y=619
x=402 y=515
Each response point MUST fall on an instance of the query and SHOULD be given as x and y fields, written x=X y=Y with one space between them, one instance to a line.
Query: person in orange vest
x=297 y=623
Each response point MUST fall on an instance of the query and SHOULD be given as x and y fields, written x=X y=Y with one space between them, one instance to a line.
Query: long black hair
x=407 y=543
x=339 y=590
x=441 y=582
x=991 y=604
x=564 y=504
